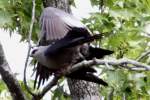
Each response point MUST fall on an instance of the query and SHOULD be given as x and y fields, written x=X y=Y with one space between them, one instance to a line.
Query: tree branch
x=110 y=95
x=29 y=47
x=9 y=78
x=143 y=55
x=124 y=63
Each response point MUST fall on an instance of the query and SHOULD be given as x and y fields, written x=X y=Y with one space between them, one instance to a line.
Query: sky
x=83 y=8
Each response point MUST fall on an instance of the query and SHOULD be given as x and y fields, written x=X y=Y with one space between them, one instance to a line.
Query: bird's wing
x=68 y=42
x=98 y=52
x=42 y=74
x=87 y=74
x=55 y=23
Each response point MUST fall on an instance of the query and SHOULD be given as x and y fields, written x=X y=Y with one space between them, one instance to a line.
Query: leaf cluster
x=123 y=23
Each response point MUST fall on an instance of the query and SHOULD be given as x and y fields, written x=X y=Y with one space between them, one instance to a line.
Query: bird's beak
x=32 y=52
x=31 y=55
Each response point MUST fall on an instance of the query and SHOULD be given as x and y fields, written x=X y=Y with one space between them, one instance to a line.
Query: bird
x=49 y=55
x=63 y=42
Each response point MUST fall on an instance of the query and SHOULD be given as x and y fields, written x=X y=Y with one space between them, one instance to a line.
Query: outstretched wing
x=87 y=74
x=68 y=42
x=42 y=73
x=56 y=23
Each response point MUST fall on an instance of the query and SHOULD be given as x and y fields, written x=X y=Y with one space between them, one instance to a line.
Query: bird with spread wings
x=64 y=41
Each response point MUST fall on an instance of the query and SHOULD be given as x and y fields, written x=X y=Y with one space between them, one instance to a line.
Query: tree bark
x=9 y=78
x=83 y=90
x=80 y=90
x=61 y=4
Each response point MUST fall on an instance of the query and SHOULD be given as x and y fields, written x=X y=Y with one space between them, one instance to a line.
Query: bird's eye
x=33 y=52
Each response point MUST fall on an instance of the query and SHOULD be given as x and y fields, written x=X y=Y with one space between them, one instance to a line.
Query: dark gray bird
x=64 y=41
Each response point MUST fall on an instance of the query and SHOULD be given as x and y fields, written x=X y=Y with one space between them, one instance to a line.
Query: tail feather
x=87 y=76
x=98 y=52
x=42 y=74
x=93 y=78
x=82 y=40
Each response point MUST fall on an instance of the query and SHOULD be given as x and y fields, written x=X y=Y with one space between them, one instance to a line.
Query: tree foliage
x=16 y=15
x=123 y=24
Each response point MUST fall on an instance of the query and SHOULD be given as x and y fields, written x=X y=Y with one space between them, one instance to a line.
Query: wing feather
x=42 y=74
x=56 y=23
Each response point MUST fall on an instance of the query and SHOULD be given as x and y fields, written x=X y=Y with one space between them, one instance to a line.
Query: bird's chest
x=65 y=57
x=42 y=59
x=60 y=59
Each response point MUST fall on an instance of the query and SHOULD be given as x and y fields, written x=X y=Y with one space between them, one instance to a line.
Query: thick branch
x=9 y=78
x=61 y=4
x=125 y=63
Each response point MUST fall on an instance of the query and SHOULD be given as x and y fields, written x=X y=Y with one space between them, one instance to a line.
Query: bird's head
x=34 y=52
x=38 y=51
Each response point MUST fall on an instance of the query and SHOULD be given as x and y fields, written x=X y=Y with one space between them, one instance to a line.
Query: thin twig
x=101 y=6
x=143 y=55
x=110 y=95
x=29 y=46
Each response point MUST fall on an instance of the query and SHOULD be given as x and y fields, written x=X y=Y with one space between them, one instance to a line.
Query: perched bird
x=53 y=56
x=64 y=41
